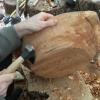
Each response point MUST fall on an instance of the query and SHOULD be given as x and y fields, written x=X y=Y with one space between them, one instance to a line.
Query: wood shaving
x=71 y=77
x=94 y=84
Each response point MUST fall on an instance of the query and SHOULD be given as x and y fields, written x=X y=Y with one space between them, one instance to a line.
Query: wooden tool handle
x=15 y=65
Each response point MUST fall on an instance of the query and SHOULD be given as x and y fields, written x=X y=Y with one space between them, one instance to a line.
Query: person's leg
x=6 y=62
x=15 y=94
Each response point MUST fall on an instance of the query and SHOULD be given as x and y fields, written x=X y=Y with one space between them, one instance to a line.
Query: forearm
x=10 y=37
x=35 y=24
x=23 y=29
x=9 y=41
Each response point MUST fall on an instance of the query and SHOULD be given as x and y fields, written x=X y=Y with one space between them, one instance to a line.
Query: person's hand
x=40 y=21
x=5 y=81
x=35 y=23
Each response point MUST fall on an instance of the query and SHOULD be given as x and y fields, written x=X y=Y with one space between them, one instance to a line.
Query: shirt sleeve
x=9 y=41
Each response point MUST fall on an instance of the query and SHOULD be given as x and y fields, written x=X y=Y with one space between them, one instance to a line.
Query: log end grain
x=66 y=47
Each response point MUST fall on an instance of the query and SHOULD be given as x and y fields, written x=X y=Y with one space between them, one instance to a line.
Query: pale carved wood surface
x=66 y=47
x=71 y=87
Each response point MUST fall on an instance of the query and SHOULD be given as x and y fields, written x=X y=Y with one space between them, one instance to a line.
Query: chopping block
x=67 y=47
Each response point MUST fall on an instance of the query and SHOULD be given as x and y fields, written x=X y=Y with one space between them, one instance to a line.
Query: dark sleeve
x=9 y=41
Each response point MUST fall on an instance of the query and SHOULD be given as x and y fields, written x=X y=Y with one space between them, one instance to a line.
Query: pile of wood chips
x=93 y=82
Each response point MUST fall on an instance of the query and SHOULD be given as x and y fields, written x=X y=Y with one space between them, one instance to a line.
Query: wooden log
x=66 y=47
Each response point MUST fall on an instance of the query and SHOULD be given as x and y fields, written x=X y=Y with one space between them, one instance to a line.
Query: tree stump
x=66 y=47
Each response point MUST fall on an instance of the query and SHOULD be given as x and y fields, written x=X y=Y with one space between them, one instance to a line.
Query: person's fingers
x=4 y=93
x=8 y=77
x=3 y=90
x=45 y=16
x=50 y=22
